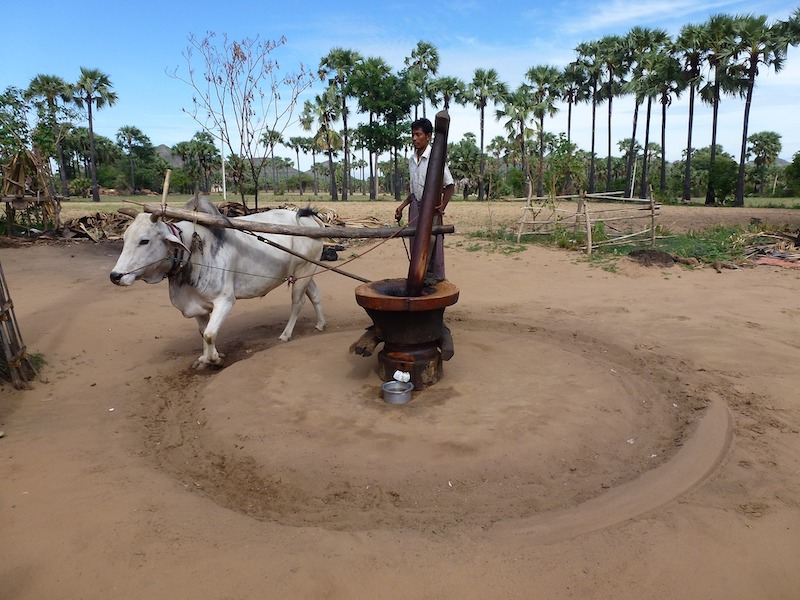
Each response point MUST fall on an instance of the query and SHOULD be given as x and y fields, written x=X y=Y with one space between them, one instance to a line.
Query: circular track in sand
x=553 y=432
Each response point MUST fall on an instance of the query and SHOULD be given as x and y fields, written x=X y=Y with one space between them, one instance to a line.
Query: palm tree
x=369 y=85
x=517 y=109
x=93 y=90
x=270 y=139
x=717 y=40
x=668 y=81
x=648 y=89
x=190 y=163
x=323 y=111
x=641 y=42
x=691 y=50
x=446 y=88
x=615 y=61
x=129 y=138
x=205 y=150
x=296 y=144
x=422 y=65
x=758 y=43
x=497 y=146
x=575 y=90
x=485 y=86
x=545 y=91
x=589 y=59
x=340 y=63
x=52 y=94
x=766 y=146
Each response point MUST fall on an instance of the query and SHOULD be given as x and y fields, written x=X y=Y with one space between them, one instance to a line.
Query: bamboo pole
x=588 y=229
x=581 y=203
x=652 y=219
x=311 y=232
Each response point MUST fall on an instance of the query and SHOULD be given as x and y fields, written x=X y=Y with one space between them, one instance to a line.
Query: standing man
x=421 y=133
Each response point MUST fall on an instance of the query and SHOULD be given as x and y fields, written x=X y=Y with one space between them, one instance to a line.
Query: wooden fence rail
x=586 y=219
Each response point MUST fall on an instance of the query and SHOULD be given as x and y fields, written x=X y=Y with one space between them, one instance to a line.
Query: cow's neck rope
x=177 y=254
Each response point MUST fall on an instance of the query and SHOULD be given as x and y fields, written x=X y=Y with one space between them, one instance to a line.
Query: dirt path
x=596 y=435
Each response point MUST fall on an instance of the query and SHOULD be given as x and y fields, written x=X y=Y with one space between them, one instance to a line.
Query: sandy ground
x=621 y=435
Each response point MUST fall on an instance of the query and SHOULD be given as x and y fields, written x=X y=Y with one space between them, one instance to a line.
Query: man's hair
x=424 y=124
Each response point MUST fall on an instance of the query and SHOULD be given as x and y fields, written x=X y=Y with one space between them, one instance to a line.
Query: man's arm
x=398 y=213
x=446 y=195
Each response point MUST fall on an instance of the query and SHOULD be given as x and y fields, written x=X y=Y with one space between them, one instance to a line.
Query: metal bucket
x=397 y=392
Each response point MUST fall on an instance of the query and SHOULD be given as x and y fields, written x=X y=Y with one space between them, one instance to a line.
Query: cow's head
x=147 y=252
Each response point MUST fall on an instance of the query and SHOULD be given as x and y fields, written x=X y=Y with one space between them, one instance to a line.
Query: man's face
x=420 y=139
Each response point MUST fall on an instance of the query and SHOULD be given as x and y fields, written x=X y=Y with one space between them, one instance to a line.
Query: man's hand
x=398 y=214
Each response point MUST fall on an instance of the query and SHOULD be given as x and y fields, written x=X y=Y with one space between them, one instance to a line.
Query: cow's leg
x=209 y=328
x=298 y=299
x=312 y=291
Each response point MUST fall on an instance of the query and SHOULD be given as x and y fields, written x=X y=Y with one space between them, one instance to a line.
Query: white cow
x=210 y=267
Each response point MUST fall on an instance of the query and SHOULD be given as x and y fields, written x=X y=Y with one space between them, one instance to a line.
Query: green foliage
x=564 y=170
x=14 y=129
x=714 y=244
x=718 y=243
x=464 y=159
x=501 y=241
x=791 y=173
x=80 y=186
x=723 y=177
x=515 y=183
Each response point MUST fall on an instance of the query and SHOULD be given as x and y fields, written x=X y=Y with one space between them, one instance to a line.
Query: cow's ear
x=174 y=239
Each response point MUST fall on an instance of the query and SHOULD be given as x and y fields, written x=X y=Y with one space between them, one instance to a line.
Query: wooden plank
x=311 y=232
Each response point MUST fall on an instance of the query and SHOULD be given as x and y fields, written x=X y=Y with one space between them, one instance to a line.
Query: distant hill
x=164 y=152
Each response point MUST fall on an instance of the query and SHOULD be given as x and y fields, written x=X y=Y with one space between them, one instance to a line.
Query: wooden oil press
x=407 y=314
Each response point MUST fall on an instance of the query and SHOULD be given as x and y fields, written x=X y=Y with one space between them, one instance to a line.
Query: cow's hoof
x=202 y=365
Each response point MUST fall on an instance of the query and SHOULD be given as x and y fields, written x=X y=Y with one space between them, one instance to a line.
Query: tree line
x=244 y=105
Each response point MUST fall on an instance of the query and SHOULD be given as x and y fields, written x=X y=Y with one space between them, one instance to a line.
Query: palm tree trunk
x=608 y=160
x=299 y=173
x=631 y=158
x=62 y=170
x=569 y=121
x=524 y=162
x=540 y=166
x=314 y=171
x=133 y=183
x=373 y=181
x=482 y=163
x=274 y=170
x=739 y=198
x=663 y=181
x=594 y=131
x=687 y=173
x=92 y=156
x=645 y=161
x=346 y=148
x=332 y=176
x=711 y=197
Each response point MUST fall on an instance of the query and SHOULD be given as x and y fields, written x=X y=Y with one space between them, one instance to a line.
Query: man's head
x=421 y=132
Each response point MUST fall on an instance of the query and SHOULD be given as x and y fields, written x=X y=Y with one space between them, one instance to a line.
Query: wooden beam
x=311 y=232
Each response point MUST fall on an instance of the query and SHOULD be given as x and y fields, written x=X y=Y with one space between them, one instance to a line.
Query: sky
x=138 y=43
